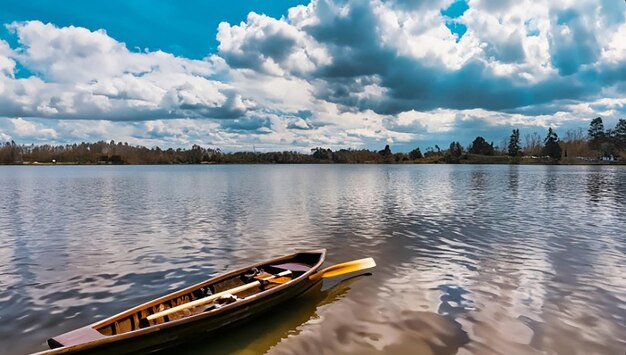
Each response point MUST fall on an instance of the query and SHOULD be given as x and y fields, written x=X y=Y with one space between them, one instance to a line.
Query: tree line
x=597 y=144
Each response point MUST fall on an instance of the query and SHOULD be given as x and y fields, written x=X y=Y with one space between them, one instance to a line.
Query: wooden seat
x=297 y=267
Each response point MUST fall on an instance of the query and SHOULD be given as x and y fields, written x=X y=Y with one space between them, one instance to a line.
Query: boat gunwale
x=196 y=317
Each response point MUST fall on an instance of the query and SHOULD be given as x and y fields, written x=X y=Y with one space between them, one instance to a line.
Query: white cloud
x=615 y=50
x=335 y=73
x=4 y=137
x=393 y=57
x=269 y=46
x=26 y=128
x=81 y=130
x=7 y=65
x=75 y=54
x=87 y=74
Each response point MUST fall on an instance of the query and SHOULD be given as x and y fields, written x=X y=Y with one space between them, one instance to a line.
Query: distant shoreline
x=468 y=162
x=112 y=153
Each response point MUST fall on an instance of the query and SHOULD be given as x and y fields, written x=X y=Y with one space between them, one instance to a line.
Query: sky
x=294 y=75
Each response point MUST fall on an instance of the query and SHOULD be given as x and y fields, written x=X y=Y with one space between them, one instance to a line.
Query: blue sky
x=185 y=28
x=283 y=74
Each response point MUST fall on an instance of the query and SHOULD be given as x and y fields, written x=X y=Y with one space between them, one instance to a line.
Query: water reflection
x=478 y=178
x=597 y=186
x=260 y=334
x=551 y=180
x=373 y=327
x=514 y=178
x=472 y=259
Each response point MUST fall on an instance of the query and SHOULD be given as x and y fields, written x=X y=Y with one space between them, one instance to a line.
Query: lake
x=480 y=259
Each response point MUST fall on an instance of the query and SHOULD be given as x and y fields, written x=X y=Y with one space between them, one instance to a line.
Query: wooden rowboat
x=202 y=308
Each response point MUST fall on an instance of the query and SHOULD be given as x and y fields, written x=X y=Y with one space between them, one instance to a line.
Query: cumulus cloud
x=4 y=137
x=572 y=41
x=345 y=73
x=268 y=45
x=25 y=128
x=88 y=75
x=7 y=65
x=299 y=123
x=258 y=124
x=390 y=58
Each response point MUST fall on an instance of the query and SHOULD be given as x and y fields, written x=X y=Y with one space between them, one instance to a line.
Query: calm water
x=472 y=259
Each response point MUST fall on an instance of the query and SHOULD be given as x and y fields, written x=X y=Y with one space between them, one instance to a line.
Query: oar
x=331 y=271
x=211 y=298
x=344 y=268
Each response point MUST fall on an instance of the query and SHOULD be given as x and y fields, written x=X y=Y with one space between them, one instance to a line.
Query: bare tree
x=534 y=144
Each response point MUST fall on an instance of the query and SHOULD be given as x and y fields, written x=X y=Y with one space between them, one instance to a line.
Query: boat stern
x=75 y=337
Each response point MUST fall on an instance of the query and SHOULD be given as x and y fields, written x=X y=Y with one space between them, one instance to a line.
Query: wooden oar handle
x=211 y=298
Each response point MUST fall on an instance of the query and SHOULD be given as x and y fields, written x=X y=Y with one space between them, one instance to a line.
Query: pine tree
x=596 y=133
x=551 y=147
x=514 y=144
x=620 y=134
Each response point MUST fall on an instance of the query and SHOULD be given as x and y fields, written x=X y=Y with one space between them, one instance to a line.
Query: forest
x=597 y=145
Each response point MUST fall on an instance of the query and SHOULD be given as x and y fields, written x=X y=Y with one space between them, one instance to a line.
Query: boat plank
x=130 y=331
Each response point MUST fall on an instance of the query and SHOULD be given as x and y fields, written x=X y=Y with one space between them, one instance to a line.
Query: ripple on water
x=471 y=259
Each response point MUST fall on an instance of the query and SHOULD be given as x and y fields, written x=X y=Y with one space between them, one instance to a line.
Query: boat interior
x=136 y=318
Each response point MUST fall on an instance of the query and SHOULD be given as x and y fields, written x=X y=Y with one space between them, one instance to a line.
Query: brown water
x=471 y=259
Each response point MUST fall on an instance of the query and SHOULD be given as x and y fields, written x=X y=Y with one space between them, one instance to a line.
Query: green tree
x=551 y=145
x=456 y=150
x=195 y=154
x=415 y=154
x=454 y=153
x=480 y=146
x=321 y=153
x=385 y=152
x=514 y=144
x=596 y=134
x=620 y=134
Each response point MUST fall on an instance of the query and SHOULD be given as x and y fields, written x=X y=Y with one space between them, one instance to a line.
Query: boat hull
x=161 y=336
